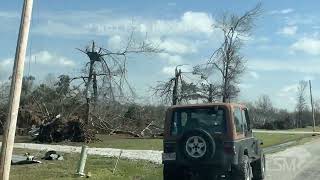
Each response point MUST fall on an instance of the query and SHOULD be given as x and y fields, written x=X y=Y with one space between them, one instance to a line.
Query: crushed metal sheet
x=19 y=160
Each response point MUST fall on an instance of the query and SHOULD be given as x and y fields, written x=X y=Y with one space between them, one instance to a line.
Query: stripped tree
x=176 y=90
x=301 y=105
x=107 y=70
x=227 y=59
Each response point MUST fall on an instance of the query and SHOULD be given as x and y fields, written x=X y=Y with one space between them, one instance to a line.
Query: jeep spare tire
x=197 y=145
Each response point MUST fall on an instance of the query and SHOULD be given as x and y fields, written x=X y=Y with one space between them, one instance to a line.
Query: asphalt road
x=297 y=163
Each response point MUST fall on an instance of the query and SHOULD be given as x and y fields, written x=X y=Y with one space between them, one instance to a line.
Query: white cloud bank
x=9 y=14
x=288 y=30
x=307 y=45
x=282 y=11
x=104 y=23
x=44 y=58
x=293 y=65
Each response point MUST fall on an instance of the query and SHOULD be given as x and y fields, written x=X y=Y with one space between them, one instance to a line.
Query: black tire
x=243 y=170
x=210 y=144
x=258 y=168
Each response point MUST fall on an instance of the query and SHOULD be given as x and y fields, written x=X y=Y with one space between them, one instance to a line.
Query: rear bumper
x=221 y=161
x=203 y=170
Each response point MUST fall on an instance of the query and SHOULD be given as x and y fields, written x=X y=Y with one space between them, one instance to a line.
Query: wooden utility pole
x=210 y=98
x=175 y=86
x=15 y=91
x=312 y=108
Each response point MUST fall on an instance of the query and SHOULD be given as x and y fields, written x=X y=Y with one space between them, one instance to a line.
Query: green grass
x=275 y=139
x=100 y=168
x=308 y=129
x=122 y=142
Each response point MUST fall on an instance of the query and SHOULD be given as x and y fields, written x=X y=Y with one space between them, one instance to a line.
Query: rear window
x=210 y=119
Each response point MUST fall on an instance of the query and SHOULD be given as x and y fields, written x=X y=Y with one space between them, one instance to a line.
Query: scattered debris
x=26 y=159
x=52 y=155
x=57 y=130
x=88 y=175
x=34 y=132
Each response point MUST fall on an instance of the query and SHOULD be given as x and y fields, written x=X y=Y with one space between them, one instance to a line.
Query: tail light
x=229 y=148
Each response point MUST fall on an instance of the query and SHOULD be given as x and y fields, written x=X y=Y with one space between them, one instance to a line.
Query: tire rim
x=196 y=147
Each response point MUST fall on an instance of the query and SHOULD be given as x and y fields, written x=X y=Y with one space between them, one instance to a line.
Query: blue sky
x=283 y=48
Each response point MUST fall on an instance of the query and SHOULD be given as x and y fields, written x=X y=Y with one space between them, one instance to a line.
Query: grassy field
x=156 y=144
x=100 y=167
x=122 y=142
x=275 y=139
x=308 y=129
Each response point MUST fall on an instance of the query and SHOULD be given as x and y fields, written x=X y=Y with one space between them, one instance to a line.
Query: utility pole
x=312 y=108
x=15 y=91
x=175 y=86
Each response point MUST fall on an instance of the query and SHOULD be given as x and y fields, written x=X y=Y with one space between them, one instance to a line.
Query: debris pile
x=52 y=155
x=26 y=159
x=56 y=130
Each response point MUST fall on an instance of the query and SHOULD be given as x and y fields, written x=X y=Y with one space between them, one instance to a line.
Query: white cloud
x=105 y=23
x=174 y=46
x=245 y=86
x=308 y=77
x=254 y=75
x=286 y=11
x=293 y=65
x=47 y=58
x=9 y=14
x=290 y=88
x=172 y=4
x=198 y=21
x=53 y=28
x=172 y=59
x=170 y=70
x=5 y=67
x=282 y=11
x=302 y=19
x=115 y=42
x=289 y=30
x=288 y=93
x=307 y=45
x=42 y=63
x=43 y=58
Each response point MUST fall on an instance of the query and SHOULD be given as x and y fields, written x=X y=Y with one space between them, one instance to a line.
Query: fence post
x=82 y=161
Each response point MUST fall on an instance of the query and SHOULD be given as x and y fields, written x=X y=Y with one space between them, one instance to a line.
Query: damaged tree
x=227 y=59
x=301 y=106
x=176 y=90
x=110 y=69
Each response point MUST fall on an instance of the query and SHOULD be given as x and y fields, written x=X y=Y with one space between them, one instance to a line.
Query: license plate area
x=169 y=156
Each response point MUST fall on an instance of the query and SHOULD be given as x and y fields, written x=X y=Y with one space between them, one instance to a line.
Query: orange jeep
x=211 y=141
